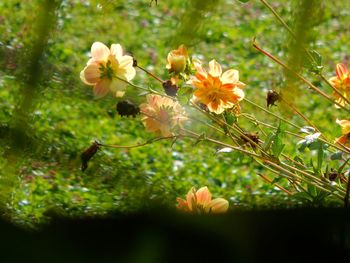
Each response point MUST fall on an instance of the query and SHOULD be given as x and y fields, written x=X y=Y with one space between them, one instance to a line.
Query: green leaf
x=243 y=1
x=184 y=94
x=336 y=156
x=314 y=62
x=320 y=157
x=277 y=145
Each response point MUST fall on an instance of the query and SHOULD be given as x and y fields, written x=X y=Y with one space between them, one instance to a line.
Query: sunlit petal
x=99 y=51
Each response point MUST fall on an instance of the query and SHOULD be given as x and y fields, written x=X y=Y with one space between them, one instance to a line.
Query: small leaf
x=307 y=129
x=336 y=156
x=225 y=150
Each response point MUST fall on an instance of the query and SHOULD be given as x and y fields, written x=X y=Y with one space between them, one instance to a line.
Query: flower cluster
x=200 y=202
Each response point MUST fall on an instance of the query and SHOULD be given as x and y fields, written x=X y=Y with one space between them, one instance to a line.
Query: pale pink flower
x=162 y=115
x=108 y=70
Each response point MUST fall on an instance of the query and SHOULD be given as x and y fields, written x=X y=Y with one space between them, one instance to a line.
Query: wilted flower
x=161 y=115
x=342 y=83
x=345 y=138
x=177 y=60
x=200 y=202
x=107 y=69
x=217 y=90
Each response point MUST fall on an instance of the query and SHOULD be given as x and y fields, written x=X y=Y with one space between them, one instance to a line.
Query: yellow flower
x=342 y=83
x=107 y=69
x=345 y=138
x=217 y=90
x=200 y=202
x=161 y=115
x=177 y=60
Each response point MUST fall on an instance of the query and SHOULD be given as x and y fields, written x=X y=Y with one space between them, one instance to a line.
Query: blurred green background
x=48 y=116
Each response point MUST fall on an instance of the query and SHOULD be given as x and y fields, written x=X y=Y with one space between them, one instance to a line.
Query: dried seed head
x=170 y=88
x=88 y=154
x=127 y=108
x=271 y=98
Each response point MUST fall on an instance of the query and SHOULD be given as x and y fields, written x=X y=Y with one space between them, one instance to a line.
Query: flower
x=342 y=83
x=200 y=202
x=345 y=138
x=177 y=60
x=217 y=90
x=108 y=70
x=161 y=115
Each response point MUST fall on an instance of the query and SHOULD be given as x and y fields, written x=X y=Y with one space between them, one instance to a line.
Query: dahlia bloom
x=177 y=60
x=161 y=115
x=342 y=83
x=217 y=90
x=200 y=202
x=345 y=138
x=106 y=70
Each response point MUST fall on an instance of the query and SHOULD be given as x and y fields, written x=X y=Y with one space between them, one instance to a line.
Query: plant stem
x=313 y=87
x=150 y=74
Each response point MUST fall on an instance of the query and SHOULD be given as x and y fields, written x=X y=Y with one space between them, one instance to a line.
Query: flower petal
x=90 y=75
x=203 y=195
x=218 y=205
x=215 y=68
x=116 y=50
x=118 y=87
x=190 y=198
x=102 y=88
x=345 y=126
x=341 y=71
x=99 y=51
x=230 y=76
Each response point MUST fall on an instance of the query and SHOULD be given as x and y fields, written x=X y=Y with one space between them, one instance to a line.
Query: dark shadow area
x=305 y=235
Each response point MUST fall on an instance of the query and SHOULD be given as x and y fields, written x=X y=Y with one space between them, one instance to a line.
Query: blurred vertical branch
x=191 y=21
x=307 y=14
x=21 y=133
x=32 y=71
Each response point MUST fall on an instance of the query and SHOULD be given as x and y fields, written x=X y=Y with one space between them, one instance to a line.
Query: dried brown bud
x=271 y=98
x=134 y=62
x=88 y=154
x=254 y=137
x=170 y=88
x=127 y=108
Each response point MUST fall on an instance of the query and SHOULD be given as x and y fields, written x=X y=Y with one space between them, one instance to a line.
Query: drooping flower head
x=342 y=83
x=217 y=90
x=162 y=115
x=177 y=60
x=107 y=69
x=200 y=202
x=345 y=138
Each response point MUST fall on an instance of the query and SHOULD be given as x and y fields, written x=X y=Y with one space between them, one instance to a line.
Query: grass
x=65 y=118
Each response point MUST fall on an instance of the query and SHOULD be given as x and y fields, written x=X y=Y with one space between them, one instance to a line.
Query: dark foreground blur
x=306 y=235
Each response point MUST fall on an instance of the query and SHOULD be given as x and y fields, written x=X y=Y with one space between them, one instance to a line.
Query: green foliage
x=65 y=118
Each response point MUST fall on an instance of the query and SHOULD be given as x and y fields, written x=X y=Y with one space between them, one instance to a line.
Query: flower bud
x=177 y=60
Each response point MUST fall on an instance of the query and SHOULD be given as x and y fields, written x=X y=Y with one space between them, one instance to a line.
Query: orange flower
x=177 y=60
x=162 y=115
x=345 y=138
x=342 y=83
x=200 y=202
x=107 y=69
x=217 y=90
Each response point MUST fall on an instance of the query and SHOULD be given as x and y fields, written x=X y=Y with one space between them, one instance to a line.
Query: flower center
x=106 y=71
